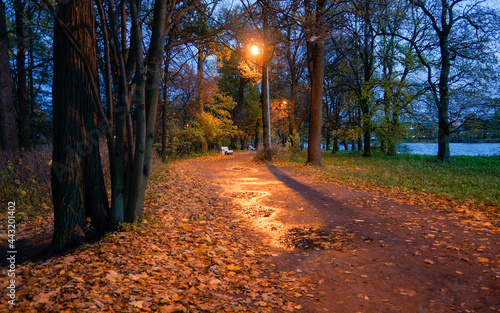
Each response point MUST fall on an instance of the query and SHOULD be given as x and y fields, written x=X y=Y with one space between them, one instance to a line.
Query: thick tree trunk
x=316 y=67
x=78 y=189
x=22 y=91
x=315 y=119
x=8 y=129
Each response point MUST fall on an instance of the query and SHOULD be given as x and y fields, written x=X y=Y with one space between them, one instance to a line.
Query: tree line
x=176 y=76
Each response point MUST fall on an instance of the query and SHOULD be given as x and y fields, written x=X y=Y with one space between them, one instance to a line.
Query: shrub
x=26 y=177
x=273 y=153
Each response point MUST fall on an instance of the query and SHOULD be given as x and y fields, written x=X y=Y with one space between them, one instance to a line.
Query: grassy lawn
x=464 y=178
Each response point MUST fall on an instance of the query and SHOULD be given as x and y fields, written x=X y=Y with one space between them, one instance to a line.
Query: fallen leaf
x=137 y=304
x=214 y=281
x=41 y=298
x=407 y=292
x=112 y=275
x=483 y=260
x=233 y=268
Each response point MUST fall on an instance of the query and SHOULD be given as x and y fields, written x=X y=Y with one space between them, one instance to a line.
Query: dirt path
x=362 y=252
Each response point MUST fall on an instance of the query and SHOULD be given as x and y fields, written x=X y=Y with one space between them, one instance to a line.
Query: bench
x=225 y=151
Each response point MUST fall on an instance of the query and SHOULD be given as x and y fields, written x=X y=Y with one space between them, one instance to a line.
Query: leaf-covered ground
x=367 y=249
x=224 y=234
x=189 y=254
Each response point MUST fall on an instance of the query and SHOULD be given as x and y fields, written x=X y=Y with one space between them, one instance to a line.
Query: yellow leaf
x=483 y=260
x=233 y=268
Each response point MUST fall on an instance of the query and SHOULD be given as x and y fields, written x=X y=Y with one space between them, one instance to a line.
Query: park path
x=360 y=251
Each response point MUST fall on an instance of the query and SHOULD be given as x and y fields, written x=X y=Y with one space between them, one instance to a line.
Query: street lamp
x=254 y=50
x=266 y=112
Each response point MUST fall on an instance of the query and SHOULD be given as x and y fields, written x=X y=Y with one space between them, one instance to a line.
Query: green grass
x=193 y=155
x=464 y=178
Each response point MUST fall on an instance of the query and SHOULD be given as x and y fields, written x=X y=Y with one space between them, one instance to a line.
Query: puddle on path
x=314 y=238
x=244 y=169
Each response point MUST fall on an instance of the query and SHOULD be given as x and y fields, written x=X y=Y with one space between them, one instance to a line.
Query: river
x=473 y=149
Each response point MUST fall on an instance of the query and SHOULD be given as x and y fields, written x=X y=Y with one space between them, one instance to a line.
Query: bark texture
x=78 y=190
x=8 y=130
x=315 y=33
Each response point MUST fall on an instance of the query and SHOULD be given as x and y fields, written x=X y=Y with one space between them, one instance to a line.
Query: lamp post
x=266 y=112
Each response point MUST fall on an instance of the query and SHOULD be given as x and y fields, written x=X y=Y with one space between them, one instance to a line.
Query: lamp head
x=254 y=50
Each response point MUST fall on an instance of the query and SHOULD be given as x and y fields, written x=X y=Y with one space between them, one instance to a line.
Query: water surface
x=472 y=149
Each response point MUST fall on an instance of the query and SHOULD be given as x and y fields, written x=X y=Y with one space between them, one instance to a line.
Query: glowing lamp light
x=254 y=50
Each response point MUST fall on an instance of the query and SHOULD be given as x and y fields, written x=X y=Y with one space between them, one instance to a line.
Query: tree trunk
x=367 y=151
x=335 y=147
x=22 y=91
x=117 y=155
x=443 y=136
x=164 y=126
x=444 y=100
x=391 y=147
x=316 y=67
x=256 y=135
x=135 y=186
x=293 y=99
x=199 y=89
x=78 y=189
x=315 y=117
x=266 y=117
x=328 y=138
x=8 y=129
x=366 y=125
x=164 y=107
x=368 y=60
x=152 y=88
x=31 y=80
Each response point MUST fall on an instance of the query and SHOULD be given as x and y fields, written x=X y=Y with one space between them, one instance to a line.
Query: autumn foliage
x=189 y=253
